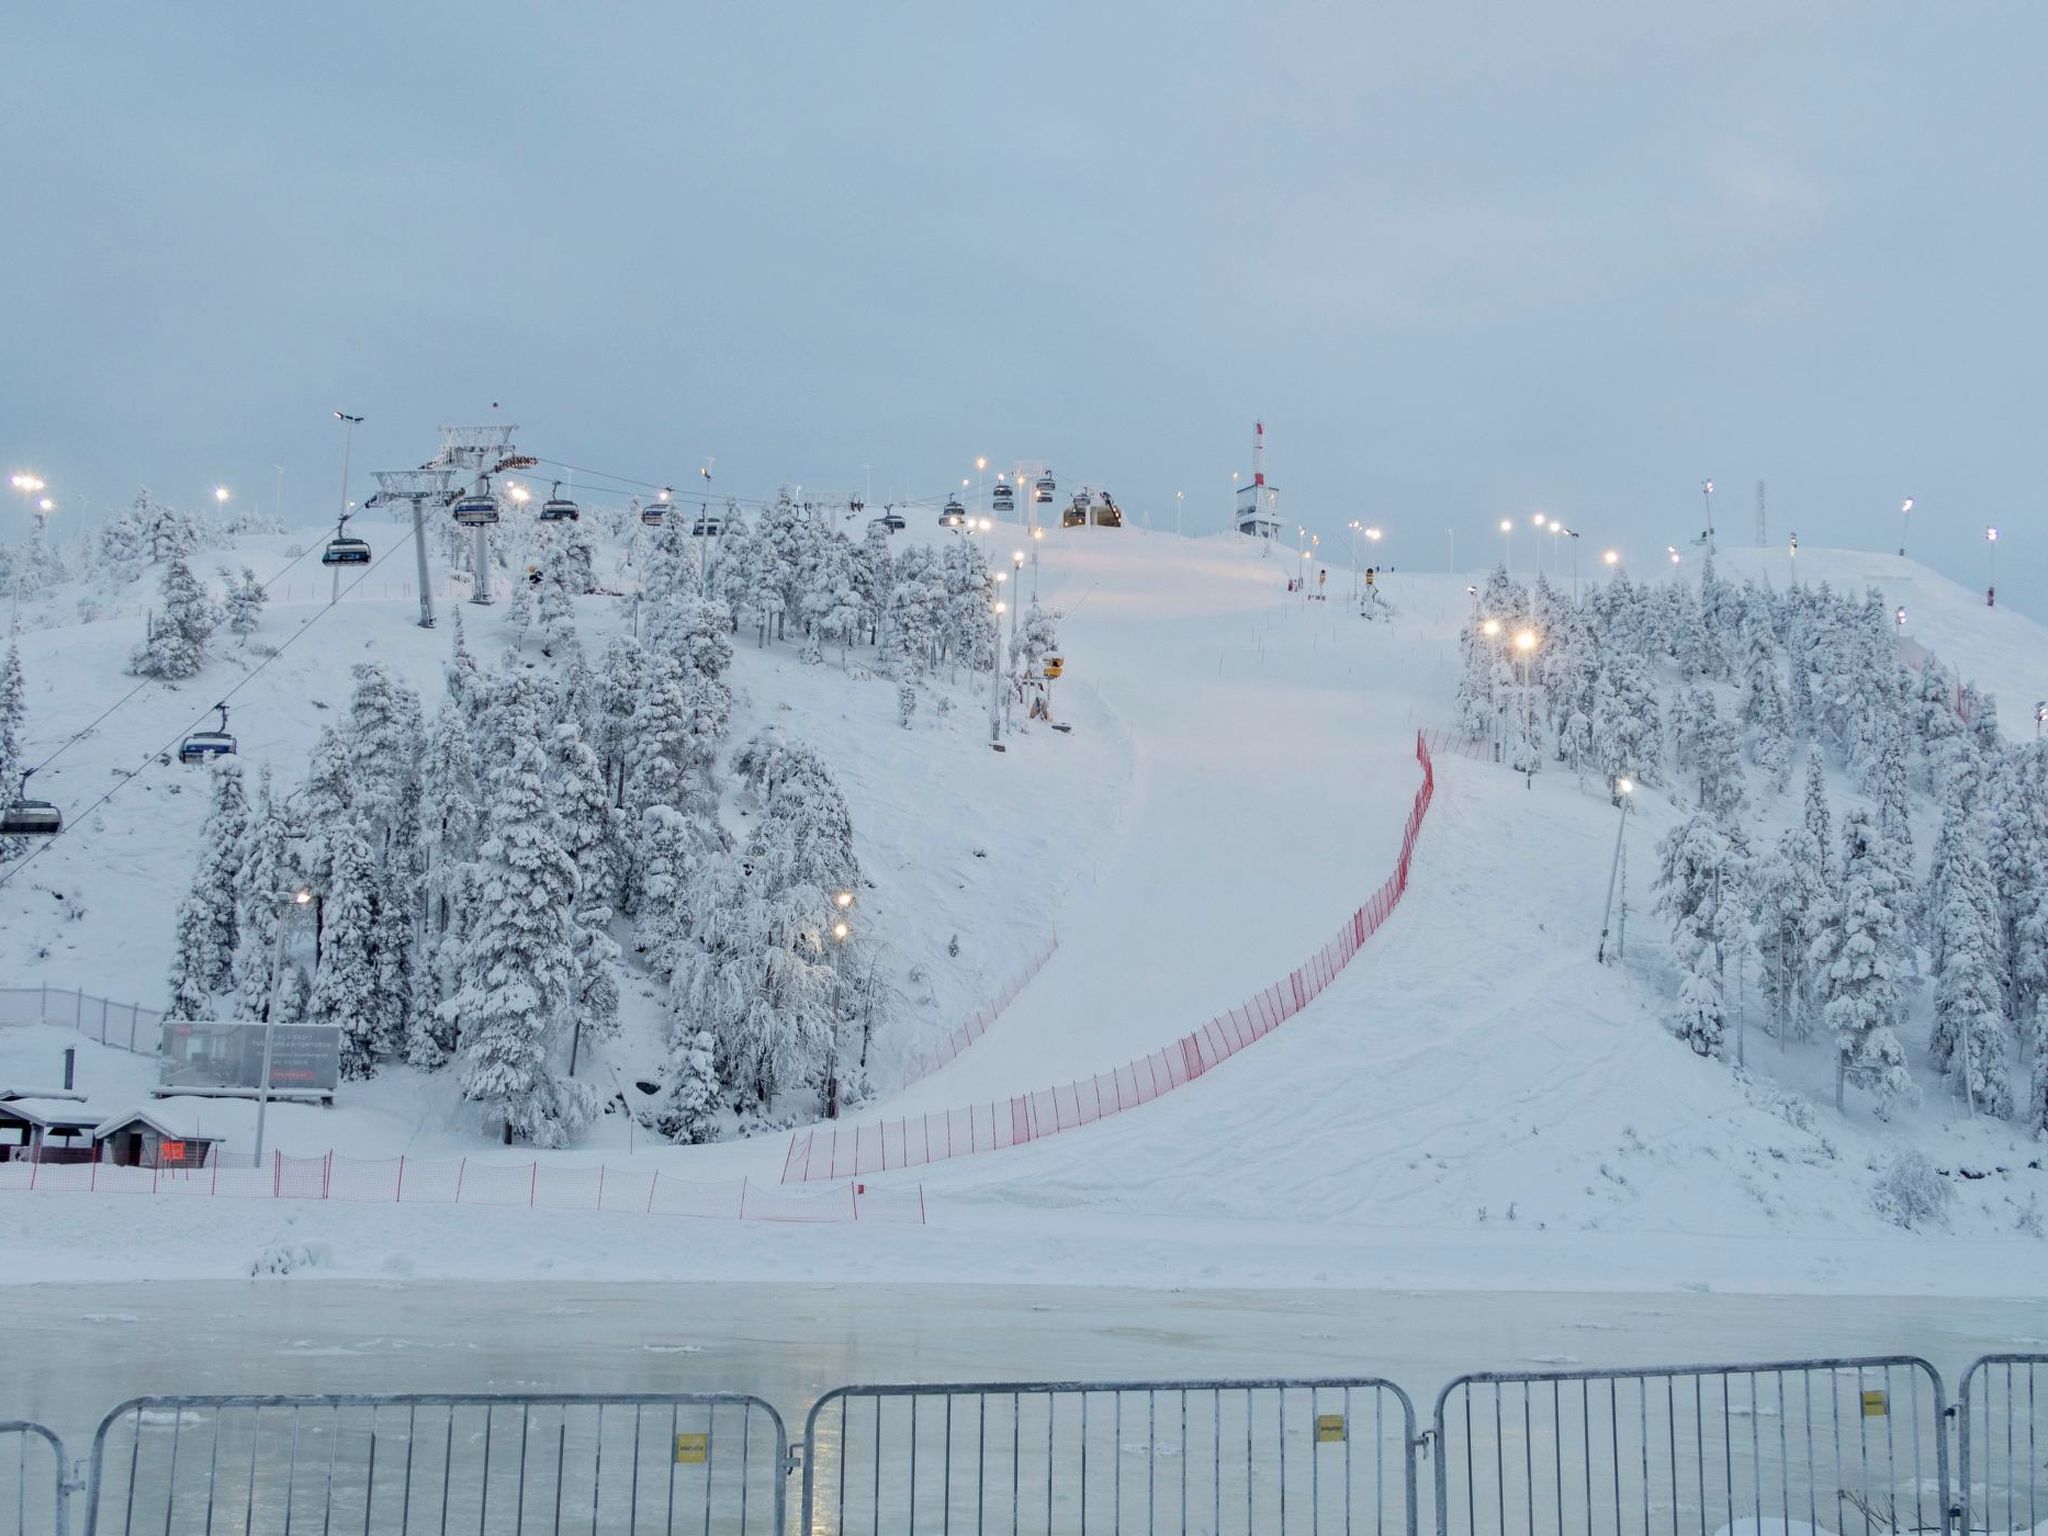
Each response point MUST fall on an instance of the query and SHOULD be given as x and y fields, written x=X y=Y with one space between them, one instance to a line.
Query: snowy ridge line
x=949 y=1048
x=915 y=1141
x=125 y=1026
x=536 y=1185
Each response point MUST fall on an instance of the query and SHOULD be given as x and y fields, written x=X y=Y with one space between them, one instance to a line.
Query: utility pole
x=1763 y=538
x=1707 y=492
x=1624 y=789
x=995 y=675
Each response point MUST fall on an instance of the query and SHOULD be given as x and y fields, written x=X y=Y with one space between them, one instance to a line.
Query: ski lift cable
x=84 y=731
x=704 y=499
x=247 y=678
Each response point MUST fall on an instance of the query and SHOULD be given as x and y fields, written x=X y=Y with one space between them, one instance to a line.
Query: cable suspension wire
x=247 y=678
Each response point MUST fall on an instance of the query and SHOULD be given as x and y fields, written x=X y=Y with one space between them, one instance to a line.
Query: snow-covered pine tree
x=345 y=991
x=519 y=610
x=245 y=599
x=514 y=1007
x=968 y=619
x=831 y=600
x=176 y=647
x=1861 y=958
x=203 y=960
x=382 y=752
x=588 y=832
x=1970 y=1042
x=1700 y=886
x=916 y=612
x=874 y=575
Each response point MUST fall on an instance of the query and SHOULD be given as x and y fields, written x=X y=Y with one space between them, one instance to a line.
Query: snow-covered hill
x=1475 y=1101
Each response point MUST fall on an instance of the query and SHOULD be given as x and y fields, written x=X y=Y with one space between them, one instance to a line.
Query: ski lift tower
x=421 y=488
x=1258 y=504
x=482 y=452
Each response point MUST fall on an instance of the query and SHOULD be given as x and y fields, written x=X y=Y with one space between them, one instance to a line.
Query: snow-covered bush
x=1910 y=1191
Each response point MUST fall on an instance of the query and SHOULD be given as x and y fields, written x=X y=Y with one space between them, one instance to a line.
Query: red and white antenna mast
x=1258 y=453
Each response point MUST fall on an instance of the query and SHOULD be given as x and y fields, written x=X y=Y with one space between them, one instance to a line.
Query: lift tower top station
x=1258 y=504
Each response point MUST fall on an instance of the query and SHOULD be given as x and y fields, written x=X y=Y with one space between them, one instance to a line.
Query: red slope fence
x=462 y=1181
x=958 y=1041
x=848 y=1152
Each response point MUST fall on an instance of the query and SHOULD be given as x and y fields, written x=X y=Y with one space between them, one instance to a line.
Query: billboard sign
x=210 y=1056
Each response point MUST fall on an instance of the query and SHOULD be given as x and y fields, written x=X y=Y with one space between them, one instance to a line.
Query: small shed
x=47 y=1130
x=162 y=1136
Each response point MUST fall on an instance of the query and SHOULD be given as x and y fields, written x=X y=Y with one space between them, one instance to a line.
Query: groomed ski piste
x=1472 y=1103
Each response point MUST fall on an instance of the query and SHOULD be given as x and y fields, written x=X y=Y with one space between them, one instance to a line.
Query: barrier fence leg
x=400 y=1194
x=743 y=1197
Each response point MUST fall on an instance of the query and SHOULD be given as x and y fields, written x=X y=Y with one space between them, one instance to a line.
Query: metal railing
x=1216 y=1457
x=1851 y=1445
x=33 y=1492
x=2002 y=1442
x=618 y=1465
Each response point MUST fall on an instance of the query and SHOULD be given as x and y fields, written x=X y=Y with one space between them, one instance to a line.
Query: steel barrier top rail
x=1758 y=1367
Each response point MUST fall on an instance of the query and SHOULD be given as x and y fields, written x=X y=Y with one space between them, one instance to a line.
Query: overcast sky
x=1466 y=261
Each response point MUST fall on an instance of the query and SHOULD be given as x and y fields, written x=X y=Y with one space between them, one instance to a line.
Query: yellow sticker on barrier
x=1875 y=1405
x=1329 y=1428
x=691 y=1449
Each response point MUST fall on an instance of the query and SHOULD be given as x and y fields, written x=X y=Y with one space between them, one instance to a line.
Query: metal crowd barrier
x=1835 y=1445
x=1854 y=1445
x=2002 y=1465
x=33 y=1491
x=265 y=1466
x=1267 y=1457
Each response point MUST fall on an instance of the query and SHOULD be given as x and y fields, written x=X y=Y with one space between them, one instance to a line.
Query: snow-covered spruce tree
x=514 y=1007
x=906 y=703
x=589 y=834
x=831 y=602
x=691 y=1103
x=1700 y=885
x=620 y=684
x=1861 y=958
x=245 y=599
x=1478 y=709
x=557 y=616
x=1627 y=733
x=1817 y=821
x=1786 y=893
x=176 y=647
x=804 y=833
x=968 y=621
x=1970 y=1042
x=1766 y=716
x=914 y=623
x=519 y=608
x=13 y=714
x=267 y=874
x=665 y=750
x=382 y=750
x=1719 y=764
x=345 y=980
x=203 y=961
x=2034 y=1113
x=1893 y=793
x=874 y=575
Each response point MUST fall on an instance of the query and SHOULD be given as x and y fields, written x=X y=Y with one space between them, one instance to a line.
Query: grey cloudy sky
x=1465 y=260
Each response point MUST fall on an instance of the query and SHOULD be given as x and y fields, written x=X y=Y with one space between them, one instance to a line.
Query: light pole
x=348 y=443
x=1612 y=560
x=1573 y=535
x=29 y=486
x=1541 y=523
x=1490 y=628
x=1178 y=498
x=1009 y=694
x=1991 y=568
x=1037 y=538
x=1507 y=530
x=1707 y=492
x=1624 y=793
x=841 y=930
x=287 y=904
x=1525 y=650
x=995 y=675
x=1792 y=561
x=1905 y=512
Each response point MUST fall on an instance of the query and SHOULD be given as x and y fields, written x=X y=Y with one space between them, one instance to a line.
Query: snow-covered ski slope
x=1473 y=1102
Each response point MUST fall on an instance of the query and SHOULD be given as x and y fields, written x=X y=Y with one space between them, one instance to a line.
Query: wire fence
x=848 y=1152
x=471 y=1181
x=126 y=1026
x=950 y=1047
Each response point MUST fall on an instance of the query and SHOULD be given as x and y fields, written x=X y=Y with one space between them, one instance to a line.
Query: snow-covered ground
x=1474 y=1105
